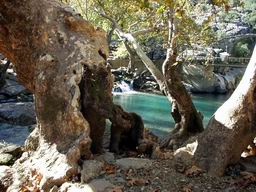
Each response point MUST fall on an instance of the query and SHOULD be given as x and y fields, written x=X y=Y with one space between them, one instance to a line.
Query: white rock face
x=203 y=79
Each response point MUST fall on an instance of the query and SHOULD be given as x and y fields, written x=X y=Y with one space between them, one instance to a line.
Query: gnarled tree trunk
x=50 y=46
x=188 y=121
x=232 y=128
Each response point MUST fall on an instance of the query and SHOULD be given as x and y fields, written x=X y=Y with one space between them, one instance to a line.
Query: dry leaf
x=110 y=169
x=117 y=189
x=187 y=189
x=193 y=171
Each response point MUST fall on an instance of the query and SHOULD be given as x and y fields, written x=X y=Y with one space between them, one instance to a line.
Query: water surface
x=155 y=109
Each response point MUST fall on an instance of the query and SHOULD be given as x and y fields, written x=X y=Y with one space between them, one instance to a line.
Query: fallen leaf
x=187 y=188
x=194 y=171
x=110 y=169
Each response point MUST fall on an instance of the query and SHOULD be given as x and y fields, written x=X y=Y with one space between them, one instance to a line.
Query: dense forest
x=142 y=95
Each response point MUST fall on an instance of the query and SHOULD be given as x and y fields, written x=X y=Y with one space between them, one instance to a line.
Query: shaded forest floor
x=166 y=173
x=171 y=176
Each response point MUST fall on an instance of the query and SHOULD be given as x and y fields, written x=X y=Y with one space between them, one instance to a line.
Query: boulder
x=199 y=77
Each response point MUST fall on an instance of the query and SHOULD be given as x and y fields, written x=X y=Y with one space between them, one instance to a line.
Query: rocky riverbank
x=197 y=78
x=17 y=118
x=107 y=172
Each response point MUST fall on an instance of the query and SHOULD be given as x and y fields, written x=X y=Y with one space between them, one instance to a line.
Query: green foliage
x=192 y=19
x=241 y=49
x=121 y=52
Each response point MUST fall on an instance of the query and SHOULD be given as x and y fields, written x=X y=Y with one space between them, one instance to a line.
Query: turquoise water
x=155 y=109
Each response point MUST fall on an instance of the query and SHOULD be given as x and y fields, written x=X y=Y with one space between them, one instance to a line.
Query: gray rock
x=133 y=163
x=14 y=133
x=199 y=78
x=91 y=169
x=12 y=88
x=6 y=159
x=18 y=113
x=108 y=157
x=101 y=185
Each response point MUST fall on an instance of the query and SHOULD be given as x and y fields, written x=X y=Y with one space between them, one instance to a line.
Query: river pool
x=155 y=109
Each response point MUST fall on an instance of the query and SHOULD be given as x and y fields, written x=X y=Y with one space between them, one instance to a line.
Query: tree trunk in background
x=188 y=121
x=50 y=46
x=130 y=67
x=232 y=128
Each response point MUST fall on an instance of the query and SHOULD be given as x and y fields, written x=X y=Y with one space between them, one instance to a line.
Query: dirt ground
x=168 y=176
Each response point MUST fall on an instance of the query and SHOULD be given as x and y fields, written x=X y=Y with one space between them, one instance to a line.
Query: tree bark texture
x=232 y=128
x=188 y=121
x=50 y=46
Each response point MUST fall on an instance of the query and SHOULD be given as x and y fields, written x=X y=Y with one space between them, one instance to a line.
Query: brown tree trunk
x=96 y=97
x=50 y=46
x=188 y=121
x=232 y=128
